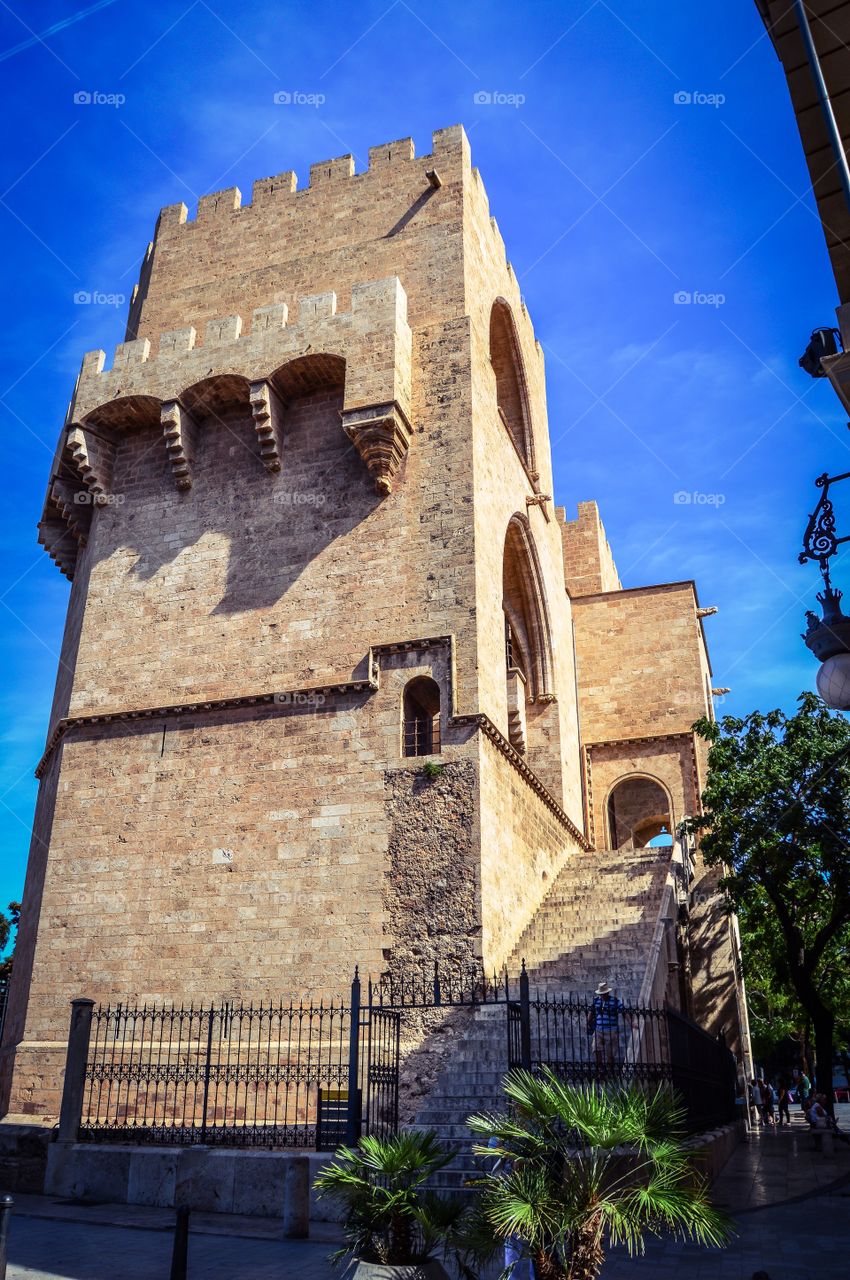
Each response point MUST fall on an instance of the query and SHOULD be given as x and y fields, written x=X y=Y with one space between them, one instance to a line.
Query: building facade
x=340 y=684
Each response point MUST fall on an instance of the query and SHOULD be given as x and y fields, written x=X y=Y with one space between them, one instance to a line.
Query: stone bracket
x=268 y=423
x=92 y=457
x=74 y=507
x=60 y=544
x=381 y=434
x=180 y=431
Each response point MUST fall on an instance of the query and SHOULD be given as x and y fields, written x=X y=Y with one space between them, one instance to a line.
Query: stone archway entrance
x=639 y=813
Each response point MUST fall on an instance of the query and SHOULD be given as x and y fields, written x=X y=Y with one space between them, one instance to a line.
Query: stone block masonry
x=315 y=478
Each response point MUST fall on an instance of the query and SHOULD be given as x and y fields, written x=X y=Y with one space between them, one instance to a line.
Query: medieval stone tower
x=308 y=517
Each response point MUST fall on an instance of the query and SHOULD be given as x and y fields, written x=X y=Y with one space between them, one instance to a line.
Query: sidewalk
x=790 y=1203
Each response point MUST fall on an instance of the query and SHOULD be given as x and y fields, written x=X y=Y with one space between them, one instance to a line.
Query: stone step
x=596 y=922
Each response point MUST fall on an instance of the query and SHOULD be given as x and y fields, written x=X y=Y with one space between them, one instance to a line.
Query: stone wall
x=667 y=760
x=589 y=566
x=523 y=847
x=509 y=488
x=431 y=894
x=232 y=258
x=242 y=854
x=715 y=961
x=642 y=662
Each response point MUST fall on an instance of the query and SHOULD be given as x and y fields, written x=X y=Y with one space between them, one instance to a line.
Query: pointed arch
x=526 y=609
x=511 y=386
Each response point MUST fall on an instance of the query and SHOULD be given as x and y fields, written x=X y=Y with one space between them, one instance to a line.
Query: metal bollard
x=296 y=1202
x=180 y=1252
x=6 y=1203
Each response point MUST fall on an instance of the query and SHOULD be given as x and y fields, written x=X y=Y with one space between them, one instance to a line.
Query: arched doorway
x=639 y=815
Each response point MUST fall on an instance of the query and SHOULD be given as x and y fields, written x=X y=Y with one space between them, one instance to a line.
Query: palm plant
x=584 y=1168
x=389 y=1216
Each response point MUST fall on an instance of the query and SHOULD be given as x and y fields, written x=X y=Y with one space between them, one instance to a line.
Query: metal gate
x=382 y=1034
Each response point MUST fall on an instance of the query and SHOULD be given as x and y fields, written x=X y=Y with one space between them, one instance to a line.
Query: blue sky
x=612 y=198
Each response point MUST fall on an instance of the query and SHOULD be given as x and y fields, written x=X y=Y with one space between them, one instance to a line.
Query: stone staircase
x=596 y=922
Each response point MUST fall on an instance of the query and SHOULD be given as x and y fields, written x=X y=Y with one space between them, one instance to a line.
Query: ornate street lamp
x=828 y=637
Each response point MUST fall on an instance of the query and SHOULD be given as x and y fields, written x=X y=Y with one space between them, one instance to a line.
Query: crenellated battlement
x=378 y=307
x=384 y=160
x=368 y=348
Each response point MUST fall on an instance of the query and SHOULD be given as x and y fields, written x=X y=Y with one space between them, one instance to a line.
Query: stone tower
x=308 y=518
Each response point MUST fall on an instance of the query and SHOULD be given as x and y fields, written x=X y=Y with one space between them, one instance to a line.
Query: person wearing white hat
x=603 y=1025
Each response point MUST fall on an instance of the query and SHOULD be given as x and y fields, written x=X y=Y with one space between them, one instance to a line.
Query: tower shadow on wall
x=276 y=525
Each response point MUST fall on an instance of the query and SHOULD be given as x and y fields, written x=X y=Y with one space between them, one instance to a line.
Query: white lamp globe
x=834 y=682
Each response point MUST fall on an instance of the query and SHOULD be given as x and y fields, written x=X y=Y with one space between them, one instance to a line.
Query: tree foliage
x=585 y=1168
x=8 y=927
x=389 y=1216
x=776 y=818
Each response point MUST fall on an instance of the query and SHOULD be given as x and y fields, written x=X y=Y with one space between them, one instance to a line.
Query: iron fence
x=228 y=1074
x=430 y=986
x=629 y=1044
x=316 y=1075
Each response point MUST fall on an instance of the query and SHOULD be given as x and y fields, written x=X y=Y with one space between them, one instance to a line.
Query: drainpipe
x=823 y=94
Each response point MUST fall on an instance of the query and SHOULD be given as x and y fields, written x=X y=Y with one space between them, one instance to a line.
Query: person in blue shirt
x=603 y=1026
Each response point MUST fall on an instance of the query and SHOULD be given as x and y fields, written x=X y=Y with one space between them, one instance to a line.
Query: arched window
x=639 y=815
x=511 y=397
x=421 y=712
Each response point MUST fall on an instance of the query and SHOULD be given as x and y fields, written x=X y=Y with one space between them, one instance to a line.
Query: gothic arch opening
x=532 y=717
x=421 y=717
x=639 y=814
x=511 y=393
x=527 y=633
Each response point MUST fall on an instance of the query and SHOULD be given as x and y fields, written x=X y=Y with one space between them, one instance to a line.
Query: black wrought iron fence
x=620 y=1042
x=230 y=1074
x=432 y=986
x=315 y=1075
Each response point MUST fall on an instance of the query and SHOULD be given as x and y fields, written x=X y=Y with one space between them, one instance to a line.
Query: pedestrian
x=603 y=1025
x=783 y=1105
x=818 y=1116
x=805 y=1087
x=756 y=1098
x=766 y=1102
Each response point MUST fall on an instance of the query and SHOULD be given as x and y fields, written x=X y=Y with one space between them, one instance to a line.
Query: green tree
x=8 y=925
x=388 y=1215
x=776 y=813
x=587 y=1168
